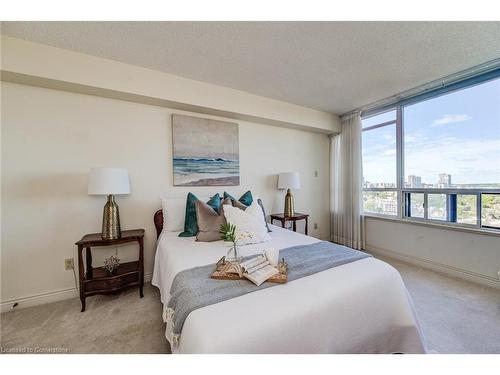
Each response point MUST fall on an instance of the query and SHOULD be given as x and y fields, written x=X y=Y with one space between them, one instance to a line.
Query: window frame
x=402 y=191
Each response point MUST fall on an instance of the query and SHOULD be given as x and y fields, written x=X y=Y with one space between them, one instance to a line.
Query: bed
x=359 y=307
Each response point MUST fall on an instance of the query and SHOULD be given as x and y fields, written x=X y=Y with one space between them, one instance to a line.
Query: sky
x=457 y=134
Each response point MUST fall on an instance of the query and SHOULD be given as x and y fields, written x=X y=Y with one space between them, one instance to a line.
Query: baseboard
x=43 y=298
x=435 y=266
x=39 y=299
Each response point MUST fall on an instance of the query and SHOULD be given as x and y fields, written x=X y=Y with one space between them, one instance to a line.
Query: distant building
x=414 y=181
x=383 y=185
x=444 y=180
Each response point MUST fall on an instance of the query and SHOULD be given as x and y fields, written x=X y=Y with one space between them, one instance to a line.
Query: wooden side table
x=97 y=280
x=293 y=219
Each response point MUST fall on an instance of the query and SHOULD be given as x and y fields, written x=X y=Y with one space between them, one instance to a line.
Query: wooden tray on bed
x=221 y=274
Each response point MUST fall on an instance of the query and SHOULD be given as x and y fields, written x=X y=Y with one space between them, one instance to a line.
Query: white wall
x=464 y=254
x=51 y=138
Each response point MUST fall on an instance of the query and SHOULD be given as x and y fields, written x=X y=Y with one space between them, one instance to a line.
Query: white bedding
x=359 y=307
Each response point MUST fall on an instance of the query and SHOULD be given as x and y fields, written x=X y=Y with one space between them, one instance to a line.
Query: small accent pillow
x=190 y=222
x=259 y=201
x=246 y=198
x=238 y=204
x=248 y=221
x=209 y=221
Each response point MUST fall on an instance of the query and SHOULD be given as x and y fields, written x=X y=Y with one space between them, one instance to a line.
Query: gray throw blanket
x=193 y=288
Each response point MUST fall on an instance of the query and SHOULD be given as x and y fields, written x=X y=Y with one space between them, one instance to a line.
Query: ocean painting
x=205 y=152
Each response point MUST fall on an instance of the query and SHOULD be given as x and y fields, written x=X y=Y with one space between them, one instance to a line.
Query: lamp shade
x=289 y=180
x=104 y=181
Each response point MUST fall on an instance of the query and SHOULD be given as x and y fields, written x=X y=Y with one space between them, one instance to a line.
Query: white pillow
x=249 y=221
x=174 y=212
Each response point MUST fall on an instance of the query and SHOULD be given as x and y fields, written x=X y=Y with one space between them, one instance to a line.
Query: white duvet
x=359 y=307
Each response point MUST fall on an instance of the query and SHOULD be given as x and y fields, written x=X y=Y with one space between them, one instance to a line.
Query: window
x=453 y=141
x=379 y=157
x=380 y=202
x=415 y=205
x=379 y=164
x=437 y=206
x=490 y=213
x=437 y=159
x=466 y=209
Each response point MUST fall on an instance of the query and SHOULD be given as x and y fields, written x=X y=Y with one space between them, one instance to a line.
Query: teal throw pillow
x=190 y=221
x=245 y=199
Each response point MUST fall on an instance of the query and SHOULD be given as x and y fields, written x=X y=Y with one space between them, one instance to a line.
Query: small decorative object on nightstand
x=97 y=280
x=111 y=264
x=284 y=218
x=109 y=181
x=289 y=180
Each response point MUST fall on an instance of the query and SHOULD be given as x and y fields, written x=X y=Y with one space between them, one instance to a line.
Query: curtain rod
x=427 y=87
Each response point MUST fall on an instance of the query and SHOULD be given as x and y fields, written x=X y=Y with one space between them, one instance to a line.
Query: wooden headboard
x=158 y=220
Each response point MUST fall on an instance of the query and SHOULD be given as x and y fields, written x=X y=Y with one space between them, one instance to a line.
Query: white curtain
x=346 y=190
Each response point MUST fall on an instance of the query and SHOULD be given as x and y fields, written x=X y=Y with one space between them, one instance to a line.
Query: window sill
x=483 y=231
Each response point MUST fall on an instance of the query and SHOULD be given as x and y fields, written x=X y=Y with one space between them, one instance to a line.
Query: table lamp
x=109 y=181
x=289 y=180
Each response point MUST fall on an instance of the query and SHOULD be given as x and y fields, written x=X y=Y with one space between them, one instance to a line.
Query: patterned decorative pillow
x=249 y=221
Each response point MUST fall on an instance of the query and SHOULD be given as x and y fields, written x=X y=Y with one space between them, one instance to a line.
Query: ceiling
x=331 y=66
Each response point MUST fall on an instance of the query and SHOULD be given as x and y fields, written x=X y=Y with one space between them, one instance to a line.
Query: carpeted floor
x=456 y=317
x=121 y=323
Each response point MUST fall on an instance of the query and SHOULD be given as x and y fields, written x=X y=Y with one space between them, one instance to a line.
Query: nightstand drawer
x=111 y=284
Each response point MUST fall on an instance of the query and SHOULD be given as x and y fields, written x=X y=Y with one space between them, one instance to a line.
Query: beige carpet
x=456 y=317
x=122 y=323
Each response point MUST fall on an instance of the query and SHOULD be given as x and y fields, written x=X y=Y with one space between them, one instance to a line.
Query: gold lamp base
x=289 y=209
x=111 y=220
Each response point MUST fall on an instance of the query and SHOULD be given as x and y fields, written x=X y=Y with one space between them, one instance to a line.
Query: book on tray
x=257 y=269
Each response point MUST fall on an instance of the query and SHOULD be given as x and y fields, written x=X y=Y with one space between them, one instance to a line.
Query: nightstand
x=97 y=280
x=293 y=219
